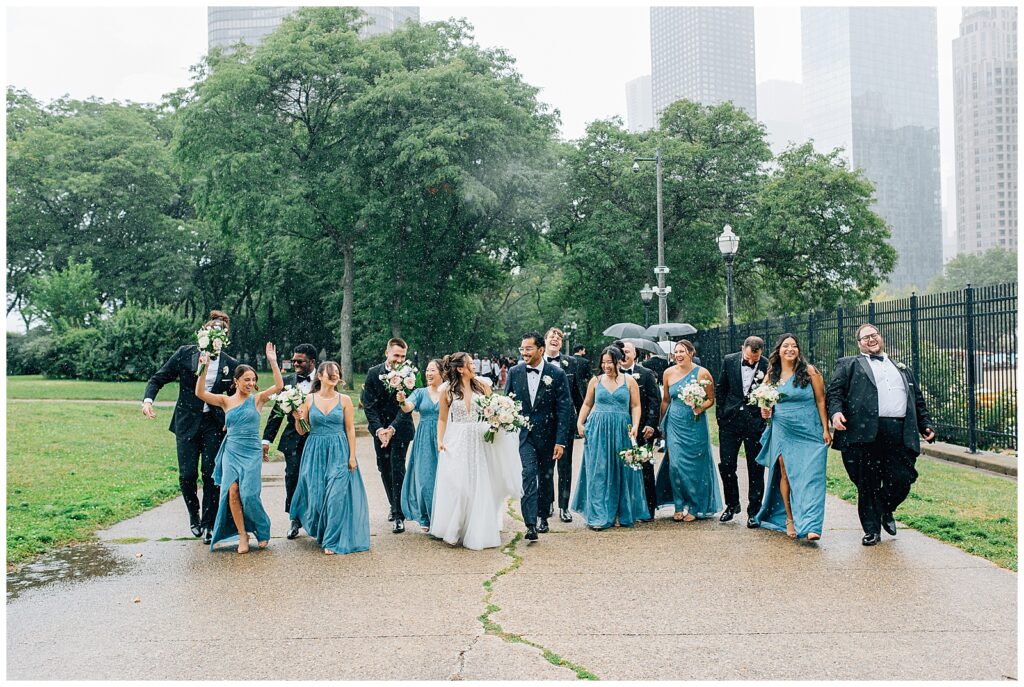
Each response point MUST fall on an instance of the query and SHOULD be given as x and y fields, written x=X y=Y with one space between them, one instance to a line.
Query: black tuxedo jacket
x=650 y=400
x=583 y=375
x=731 y=408
x=551 y=411
x=853 y=393
x=291 y=440
x=657 y=364
x=182 y=366
x=381 y=408
x=570 y=368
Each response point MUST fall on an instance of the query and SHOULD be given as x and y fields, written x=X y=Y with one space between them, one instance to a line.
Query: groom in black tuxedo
x=878 y=411
x=740 y=424
x=292 y=443
x=543 y=389
x=392 y=429
x=650 y=408
x=198 y=428
x=546 y=496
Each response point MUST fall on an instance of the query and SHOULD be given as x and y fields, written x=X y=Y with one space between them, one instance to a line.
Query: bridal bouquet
x=693 y=394
x=765 y=396
x=288 y=401
x=210 y=340
x=501 y=412
x=635 y=456
x=402 y=378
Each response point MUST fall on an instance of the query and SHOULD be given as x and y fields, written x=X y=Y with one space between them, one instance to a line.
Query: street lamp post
x=660 y=271
x=646 y=295
x=728 y=245
x=569 y=331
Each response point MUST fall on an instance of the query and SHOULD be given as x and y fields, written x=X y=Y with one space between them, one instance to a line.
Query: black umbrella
x=644 y=344
x=622 y=329
x=669 y=329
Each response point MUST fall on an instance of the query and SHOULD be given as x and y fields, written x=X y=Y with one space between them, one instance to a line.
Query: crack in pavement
x=460 y=661
x=493 y=628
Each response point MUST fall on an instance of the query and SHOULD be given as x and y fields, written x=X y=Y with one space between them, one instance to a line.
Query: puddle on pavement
x=66 y=565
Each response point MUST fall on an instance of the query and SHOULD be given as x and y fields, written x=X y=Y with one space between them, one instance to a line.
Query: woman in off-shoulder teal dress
x=239 y=463
x=330 y=498
x=794 y=446
x=418 y=487
x=688 y=480
x=608 y=491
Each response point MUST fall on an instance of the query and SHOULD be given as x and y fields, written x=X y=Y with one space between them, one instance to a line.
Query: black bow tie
x=628 y=371
x=551 y=360
x=748 y=364
x=877 y=357
x=531 y=370
x=302 y=378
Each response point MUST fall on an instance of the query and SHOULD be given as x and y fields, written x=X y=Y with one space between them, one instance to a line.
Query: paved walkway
x=663 y=601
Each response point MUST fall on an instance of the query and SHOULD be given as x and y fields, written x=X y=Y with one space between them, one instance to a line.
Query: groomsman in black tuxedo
x=740 y=424
x=546 y=498
x=878 y=411
x=292 y=443
x=198 y=428
x=650 y=408
x=392 y=429
x=543 y=389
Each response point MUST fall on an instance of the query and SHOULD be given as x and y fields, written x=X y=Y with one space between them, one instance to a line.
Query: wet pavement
x=665 y=600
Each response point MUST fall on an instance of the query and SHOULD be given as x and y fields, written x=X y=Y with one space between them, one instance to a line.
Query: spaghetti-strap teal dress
x=240 y=459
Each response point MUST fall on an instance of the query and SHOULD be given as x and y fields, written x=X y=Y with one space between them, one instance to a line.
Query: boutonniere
x=759 y=375
x=900 y=366
x=635 y=375
x=546 y=379
x=225 y=370
x=565 y=363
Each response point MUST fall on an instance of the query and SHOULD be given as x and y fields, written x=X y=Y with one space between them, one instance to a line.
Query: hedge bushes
x=129 y=346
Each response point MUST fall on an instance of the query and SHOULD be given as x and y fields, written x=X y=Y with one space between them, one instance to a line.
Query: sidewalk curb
x=984 y=460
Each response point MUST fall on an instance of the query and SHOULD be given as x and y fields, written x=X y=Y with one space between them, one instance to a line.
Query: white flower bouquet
x=210 y=340
x=635 y=456
x=401 y=378
x=694 y=394
x=765 y=395
x=501 y=413
x=288 y=401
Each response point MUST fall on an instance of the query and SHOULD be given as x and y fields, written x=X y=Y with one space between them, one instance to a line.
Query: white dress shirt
x=533 y=380
x=211 y=378
x=748 y=376
x=892 y=392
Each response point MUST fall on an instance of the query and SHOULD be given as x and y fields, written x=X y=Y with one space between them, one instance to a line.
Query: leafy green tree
x=65 y=299
x=994 y=266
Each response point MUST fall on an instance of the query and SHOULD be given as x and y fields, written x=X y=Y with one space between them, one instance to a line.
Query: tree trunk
x=348 y=293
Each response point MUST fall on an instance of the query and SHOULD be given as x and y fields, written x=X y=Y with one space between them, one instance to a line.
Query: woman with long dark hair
x=474 y=477
x=330 y=498
x=239 y=462
x=795 y=445
x=609 y=492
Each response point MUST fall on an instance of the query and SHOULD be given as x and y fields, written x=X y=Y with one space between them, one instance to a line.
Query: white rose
x=204 y=342
x=546 y=379
x=226 y=370
x=410 y=383
x=565 y=363
x=488 y=412
x=504 y=418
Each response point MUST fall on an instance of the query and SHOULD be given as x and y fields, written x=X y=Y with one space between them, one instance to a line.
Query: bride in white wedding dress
x=474 y=478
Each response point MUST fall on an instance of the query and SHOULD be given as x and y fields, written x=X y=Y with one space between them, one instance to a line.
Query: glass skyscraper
x=985 y=121
x=703 y=54
x=870 y=86
x=639 y=111
x=228 y=25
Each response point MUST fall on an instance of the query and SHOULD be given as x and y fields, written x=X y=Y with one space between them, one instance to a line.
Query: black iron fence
x=974 y=405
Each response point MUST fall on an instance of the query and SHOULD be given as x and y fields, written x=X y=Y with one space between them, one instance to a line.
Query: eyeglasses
x=868 y=337
x=528 y=350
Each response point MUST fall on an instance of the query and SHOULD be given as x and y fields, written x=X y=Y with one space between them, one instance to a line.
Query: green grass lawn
x=969 y=509
x=37 y=386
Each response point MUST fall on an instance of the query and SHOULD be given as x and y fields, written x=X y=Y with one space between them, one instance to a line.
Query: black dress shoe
x=564 y=515
x=726 y=516
x=531 y=533
x=208 y=536
x=398 y=527
x=197 y=529
x=752 y=523
x=542 y=527
x=293 y=531
x=889 y=524
x=871 y=539
x=391 y=517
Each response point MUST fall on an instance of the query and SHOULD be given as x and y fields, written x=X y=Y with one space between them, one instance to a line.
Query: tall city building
x=639 y=111
x=780 y=109
x=985 y=129
x=703 y=54
x=870 y=83
x=228 y=25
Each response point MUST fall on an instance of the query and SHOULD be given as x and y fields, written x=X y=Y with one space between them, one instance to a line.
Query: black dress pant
x=205 y=442
x=391 y=464
x=729 y=443
x=292 y=463
x=883 y=471
x=648 y=473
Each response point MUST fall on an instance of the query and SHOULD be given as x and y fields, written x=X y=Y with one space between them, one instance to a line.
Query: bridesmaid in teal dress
x=418 y=487
x=609 y=492
x=689 y=474
x=795 y=446
x=330 y=499
x=239 y=462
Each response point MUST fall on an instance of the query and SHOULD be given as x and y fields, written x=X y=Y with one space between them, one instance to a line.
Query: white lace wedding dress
x=474 y=480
